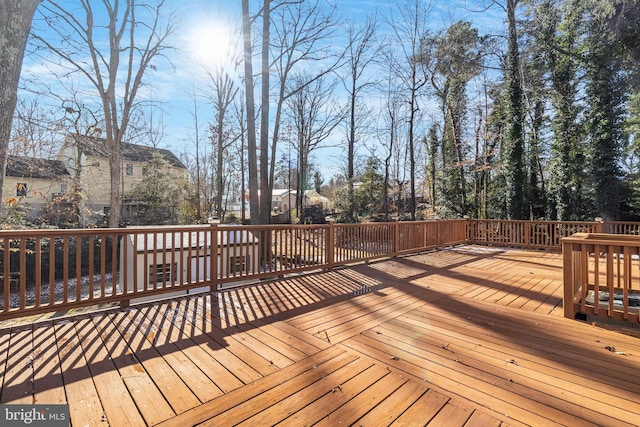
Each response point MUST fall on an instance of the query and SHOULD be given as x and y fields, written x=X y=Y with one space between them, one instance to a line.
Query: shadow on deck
x=467 y=336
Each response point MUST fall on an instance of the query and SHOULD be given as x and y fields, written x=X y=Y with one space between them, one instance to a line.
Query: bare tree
x=301 y=30
x=15 y=22
x=389 y=134
x=239 y=112
x=223 y=93
x=146 y=127
x=265 y=184
x=314 y=115
x=36 y=130
x=252 y=158
x=298 y=27
x=199 y=168
x=361 y=53
x=114 y=70
x=409 y=30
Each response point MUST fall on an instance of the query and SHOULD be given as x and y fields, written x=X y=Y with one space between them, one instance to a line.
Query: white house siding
x=181 y=257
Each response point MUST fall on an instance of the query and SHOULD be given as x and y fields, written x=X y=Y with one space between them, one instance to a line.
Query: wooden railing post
x=124 y=266
x=568 y=279
x=331 y=239
x=213 y=255
x=396 y=238
x=599 y=227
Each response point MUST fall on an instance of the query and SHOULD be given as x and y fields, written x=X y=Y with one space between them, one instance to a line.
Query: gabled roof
x=97 y=147
x=281 y=192
x=313 y=194
x=28 y=167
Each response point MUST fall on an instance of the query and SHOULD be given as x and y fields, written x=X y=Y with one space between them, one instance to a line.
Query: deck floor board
x=116 y=400
x=467 y=336
x=17 y=386
x=47 y=377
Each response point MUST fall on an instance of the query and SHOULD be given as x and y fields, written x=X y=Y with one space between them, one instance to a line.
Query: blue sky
x=203 y=20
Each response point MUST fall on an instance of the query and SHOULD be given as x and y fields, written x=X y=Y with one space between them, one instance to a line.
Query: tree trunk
x=252 y=155
x=351 y=152
x=265 y=187
x=15 y=23
x=515 y=178
x=412 y=160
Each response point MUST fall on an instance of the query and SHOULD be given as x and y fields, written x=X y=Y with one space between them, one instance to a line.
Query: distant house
x=163 y=256
x=283 y=200
x=89 y=156
x=313 y=198
x=34 y=182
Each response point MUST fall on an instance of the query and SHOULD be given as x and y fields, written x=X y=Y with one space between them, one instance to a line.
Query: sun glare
x=211 y=44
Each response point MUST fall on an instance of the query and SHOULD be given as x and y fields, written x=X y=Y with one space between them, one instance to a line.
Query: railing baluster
x=52 y=271
x=65 y=269
x=626 y=284
x=23 y=279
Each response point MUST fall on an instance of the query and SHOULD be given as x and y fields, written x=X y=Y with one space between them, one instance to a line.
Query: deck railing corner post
x=599 y=225
x=568 y=279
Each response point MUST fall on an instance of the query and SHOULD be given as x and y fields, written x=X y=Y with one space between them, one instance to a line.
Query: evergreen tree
x=158 y=197
x=513 y=148
x=605 y=89
x=558 y=30
x=432 y=174
x=371 y=191
x=458 y=54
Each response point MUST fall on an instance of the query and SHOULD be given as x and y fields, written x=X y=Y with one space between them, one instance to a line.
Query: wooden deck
x=464 y=337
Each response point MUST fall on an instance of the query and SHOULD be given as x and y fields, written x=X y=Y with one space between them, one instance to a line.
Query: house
x=34 y=182
x=313 y=198
x=89 y=156
x=283 y=200
x=161 y=256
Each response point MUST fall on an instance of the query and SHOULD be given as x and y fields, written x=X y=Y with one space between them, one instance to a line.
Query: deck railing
x=602 y=276
x=52 y=270
x=544 y=235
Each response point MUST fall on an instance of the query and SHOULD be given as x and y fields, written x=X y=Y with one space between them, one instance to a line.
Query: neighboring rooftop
x=28 y=167
x=138 y=153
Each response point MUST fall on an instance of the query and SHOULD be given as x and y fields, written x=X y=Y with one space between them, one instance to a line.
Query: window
x=238 y=264
x=21 y=189
x=129 y=169
x=162 y=273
